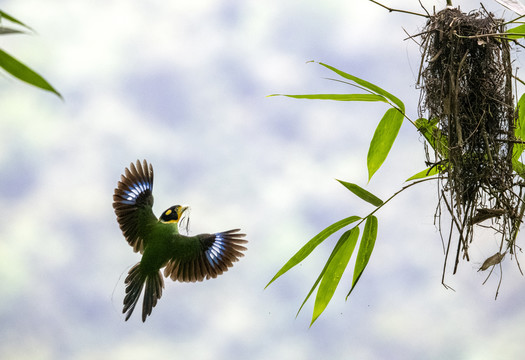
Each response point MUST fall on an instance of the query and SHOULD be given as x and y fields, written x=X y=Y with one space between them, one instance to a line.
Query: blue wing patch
x=134 y=191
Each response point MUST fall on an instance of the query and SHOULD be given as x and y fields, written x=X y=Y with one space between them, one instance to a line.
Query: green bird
x=184 y=258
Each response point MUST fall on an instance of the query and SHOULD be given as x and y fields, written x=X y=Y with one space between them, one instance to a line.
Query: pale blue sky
x=184 y=84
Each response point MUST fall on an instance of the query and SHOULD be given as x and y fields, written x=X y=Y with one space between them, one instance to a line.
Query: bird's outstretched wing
x=205 y=256
x=133 y=201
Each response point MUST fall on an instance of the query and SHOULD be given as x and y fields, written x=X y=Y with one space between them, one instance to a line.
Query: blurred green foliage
x=15 y=67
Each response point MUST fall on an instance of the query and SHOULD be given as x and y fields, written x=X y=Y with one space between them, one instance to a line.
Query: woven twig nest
x=466 y=81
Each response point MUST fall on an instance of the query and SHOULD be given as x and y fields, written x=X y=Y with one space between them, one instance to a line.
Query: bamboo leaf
x=384 y=136
x=430 y=171
x=516 y=32
x=314 y=286
x=13 y=20
x=429 y=129
x=362 y=193
x=321 y=274
x=334 y=271
x=365 y=249
x=519 y=131
x=374 y=88
x=312 y=244
x=24 y=73
x=518 y=167
x=8 y=31
x=338 y=97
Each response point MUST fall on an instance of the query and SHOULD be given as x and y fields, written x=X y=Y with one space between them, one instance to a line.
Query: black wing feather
x=133 y=201
x=217 y=253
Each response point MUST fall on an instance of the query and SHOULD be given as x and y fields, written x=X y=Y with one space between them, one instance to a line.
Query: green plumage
x=185 y=258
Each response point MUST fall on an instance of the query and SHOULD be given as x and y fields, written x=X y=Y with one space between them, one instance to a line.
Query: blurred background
x=184 y=85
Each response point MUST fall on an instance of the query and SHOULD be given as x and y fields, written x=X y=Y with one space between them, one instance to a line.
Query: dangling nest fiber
x=467 y=89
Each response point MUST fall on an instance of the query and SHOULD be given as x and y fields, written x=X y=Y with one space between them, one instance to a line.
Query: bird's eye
x=167 y=212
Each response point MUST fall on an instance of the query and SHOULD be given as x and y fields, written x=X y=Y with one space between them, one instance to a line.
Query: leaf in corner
x=13 y=20
x=24 y=73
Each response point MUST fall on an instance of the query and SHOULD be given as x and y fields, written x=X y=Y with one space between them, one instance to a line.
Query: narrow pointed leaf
x=312 y=244
x=22 y=72
x=366 y=247
x=384 y=136
x=339 y=97
x=430 y=171
x=429 y=129
x=519 y=131
x=362 y=193
x=321 y=274
x=13 y=20
x=334 y=271
x=314 y=286
x=519 y=168
x=9 y=31
x=516 y=32
x=520 y=126
x=374 y=88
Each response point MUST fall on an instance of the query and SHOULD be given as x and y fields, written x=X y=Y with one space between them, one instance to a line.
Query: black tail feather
x=135 y=282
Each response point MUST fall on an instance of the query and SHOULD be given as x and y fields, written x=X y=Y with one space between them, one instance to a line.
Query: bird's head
x=173 y=214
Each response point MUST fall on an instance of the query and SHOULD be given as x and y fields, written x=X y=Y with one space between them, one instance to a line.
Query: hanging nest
x=466 y=82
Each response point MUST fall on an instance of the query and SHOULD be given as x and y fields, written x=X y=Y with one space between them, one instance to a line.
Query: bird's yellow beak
x=182 y=209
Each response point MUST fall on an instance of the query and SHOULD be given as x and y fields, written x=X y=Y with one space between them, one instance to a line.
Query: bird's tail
x=135 y=282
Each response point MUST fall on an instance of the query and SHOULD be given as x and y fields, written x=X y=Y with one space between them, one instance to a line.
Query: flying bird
x=184 y=258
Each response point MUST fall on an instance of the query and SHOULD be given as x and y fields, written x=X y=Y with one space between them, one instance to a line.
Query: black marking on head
x=172 y=214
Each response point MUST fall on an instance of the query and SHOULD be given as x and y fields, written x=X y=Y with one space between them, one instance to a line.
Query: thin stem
x=393 y=196
x=398 y=10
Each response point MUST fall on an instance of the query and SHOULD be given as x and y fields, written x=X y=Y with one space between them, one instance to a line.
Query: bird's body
x=185 y=258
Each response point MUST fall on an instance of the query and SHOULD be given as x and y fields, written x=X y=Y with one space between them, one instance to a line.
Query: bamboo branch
x=398 y=10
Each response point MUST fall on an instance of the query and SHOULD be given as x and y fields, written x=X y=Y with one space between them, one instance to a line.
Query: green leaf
x=312 y=244
x=362 y=193
x=516 y=33
x=22 y=72
x=519 y=131
x=519 y=168
x=314 y=286
x=384 y=136
x=365 y=249
x=520 y=126
x=430 y=171
x=429 y=129
x=374 y=88
x=334 y=270
x=338 y=97
x=8 y=31
x=13 y=20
